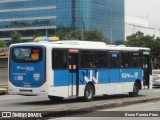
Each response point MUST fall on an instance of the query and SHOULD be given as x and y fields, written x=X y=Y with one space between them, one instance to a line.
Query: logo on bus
x=129 y=75
x=25 y=68
x=91 y=77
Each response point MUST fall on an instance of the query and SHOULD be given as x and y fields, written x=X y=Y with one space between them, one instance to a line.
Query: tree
x=156 y=53
x=39 y=34
x=120 y=42
x=88 y=35
x=2 y=43
x=140 y=40
x=15 y=37
x=95 y=35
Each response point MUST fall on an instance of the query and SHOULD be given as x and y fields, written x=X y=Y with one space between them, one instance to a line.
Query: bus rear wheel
x=55 y=99
x=89 y=92
x=135 y=91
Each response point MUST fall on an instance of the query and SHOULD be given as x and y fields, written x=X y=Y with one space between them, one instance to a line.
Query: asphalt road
x=142 y=111
x=42 y=103
x=136 y=110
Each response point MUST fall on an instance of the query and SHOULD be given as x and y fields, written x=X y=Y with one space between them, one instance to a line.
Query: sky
x=144 y=9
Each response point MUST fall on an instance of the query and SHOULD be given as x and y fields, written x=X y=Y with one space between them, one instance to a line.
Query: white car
x=156 y=77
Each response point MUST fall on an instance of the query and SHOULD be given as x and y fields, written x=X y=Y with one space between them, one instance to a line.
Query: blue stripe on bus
x=61 y=78
x=102 y=76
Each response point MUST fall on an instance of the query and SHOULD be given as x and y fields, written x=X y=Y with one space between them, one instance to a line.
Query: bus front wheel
x=89 y=92
x=135 y=91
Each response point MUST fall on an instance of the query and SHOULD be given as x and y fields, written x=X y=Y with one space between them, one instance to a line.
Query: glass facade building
x=30 y=17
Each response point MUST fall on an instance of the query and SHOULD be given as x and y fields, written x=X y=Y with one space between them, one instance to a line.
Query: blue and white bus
x=71 y=69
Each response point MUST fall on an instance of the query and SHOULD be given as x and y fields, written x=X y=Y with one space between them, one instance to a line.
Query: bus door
x=146 y=68
x=73 y=72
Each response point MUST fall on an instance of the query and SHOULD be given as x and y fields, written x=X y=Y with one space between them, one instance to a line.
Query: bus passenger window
x=59 y=59
x=99 y=59
x=136 y=59
x=114 y=60
x=87 y=59
x=125 y=59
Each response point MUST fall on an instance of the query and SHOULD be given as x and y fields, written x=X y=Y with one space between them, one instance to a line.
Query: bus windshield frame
x=27 y=54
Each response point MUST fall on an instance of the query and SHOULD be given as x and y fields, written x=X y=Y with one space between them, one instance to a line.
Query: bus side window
x=59 y=59
x=135 y=59
x=125 y=59
x=99 y=59
x=114 y=60
x=87 y=59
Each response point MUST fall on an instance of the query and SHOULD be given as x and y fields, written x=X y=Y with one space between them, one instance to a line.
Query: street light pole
x=82 y=33
x=111 y=35
x=83 y=27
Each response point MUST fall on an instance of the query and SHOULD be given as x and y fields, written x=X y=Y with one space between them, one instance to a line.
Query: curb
x=120 y=103
x=92 y=108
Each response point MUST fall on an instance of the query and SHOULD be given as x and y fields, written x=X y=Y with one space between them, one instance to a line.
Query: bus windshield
x=27 y=54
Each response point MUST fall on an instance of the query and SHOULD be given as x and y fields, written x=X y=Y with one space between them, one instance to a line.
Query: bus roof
x=82 y=45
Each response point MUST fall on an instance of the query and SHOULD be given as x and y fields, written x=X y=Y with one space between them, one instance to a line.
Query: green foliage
x=87 y=35
x=15 y=38
x=39 y=34
x=120 y=42
x=2 y=43
x=140 y=40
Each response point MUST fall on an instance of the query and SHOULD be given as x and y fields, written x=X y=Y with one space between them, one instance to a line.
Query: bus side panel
x=95 y=76
x=64 y=83
x=114 y=76
x=106 y=81
x=61 y=78
x=98 y=77
x=61 y=83
x=130 y=75
x=110 y=81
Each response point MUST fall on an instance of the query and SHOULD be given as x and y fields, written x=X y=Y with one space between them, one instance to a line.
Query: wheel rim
x=136 y=89
x=89 y=93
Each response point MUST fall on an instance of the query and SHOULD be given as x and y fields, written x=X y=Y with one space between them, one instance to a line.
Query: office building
x=33 y=17
x=134 y=24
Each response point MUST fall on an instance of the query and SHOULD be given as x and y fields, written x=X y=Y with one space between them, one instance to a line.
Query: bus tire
x=88 y=92
x=55 y=99
x=135 y=91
